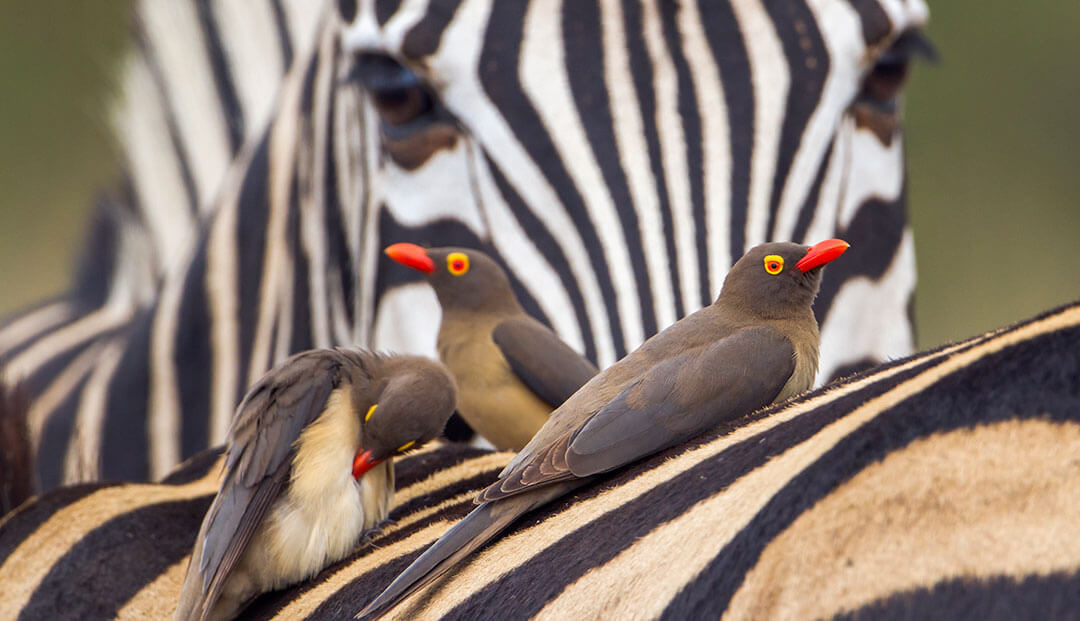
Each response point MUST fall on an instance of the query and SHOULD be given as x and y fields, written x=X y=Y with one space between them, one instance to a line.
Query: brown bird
x=308 y=471
x=511 y=370
x=756 y=344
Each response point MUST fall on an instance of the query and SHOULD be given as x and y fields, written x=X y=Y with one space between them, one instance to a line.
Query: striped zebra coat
x=615 y=156
x=942 y=485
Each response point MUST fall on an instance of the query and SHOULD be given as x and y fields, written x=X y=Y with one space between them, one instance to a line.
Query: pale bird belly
x=490 y=397
x=299 y=537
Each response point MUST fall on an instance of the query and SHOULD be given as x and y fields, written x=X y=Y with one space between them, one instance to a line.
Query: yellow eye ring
x=774 y=264
x=457 y=263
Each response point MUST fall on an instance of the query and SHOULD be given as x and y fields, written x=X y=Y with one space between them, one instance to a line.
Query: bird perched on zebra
x=289 y=504
x=756 y=344
x=511 y=370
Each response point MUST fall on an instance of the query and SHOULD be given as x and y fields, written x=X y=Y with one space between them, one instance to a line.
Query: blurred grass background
x=993 y=147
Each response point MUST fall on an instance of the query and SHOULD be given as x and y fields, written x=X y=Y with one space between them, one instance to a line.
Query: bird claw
x=385 y=523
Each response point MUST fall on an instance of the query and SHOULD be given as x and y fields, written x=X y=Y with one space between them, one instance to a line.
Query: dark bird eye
x=774 y=264
x=400 y=96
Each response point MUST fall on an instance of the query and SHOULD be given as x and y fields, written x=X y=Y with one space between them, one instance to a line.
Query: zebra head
x=619 y=156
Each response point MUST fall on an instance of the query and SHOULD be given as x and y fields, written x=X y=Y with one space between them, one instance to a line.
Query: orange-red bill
x=363 y=462
x=821 y=253
x=412 y=256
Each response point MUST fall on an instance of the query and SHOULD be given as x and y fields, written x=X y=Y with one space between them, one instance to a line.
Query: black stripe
x=1034 y=379
x=863 y=364
x=385 y=9
x=499 y=76
x=546 y=245
x=111 y=563
x=338 y=258
x=691 y=124
x=875 y=234
x=301 y=337
x=1034 y=596
x=56 y=433
x=876 y=24
x=193 y=356
x=31 y=515
x=231 y=109
x=282 y=26
x=729 y=52
x=597 y=543
x=424 y=38
x=253 y=210
x=195 y=467
x=145 y=50
x=642 y=71
x=808 y=62
x=585 y=70
x=124 y=442
x=813 y=200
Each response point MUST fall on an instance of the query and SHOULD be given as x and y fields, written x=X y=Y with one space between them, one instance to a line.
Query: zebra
x=615 y=156
x=941 y=485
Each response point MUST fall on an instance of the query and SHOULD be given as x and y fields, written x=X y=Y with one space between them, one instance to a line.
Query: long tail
x=472 y=532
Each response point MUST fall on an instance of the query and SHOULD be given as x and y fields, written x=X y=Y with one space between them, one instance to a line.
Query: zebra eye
x=400 y=96
x=882 y=85
x=774 y=264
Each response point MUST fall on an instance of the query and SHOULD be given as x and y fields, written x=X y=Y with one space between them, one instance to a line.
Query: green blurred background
x=993 y=143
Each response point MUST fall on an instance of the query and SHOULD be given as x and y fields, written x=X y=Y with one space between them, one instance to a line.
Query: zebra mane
x=942 y=483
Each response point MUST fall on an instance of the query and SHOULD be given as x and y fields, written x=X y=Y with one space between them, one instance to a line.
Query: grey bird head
x=779 y=279
x=463 y=278
x=408 y=409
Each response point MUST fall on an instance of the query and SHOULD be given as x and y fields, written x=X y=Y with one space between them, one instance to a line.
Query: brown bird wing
x=259 y=458
x=677 y=399
x=683 y=397
x=549 y=367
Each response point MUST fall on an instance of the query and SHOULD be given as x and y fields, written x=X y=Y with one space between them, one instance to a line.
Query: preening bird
x=511 y=370
x=757 y=344
x=308 y=471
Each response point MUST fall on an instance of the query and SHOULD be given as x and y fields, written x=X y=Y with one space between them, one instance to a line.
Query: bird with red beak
x=511 y=370
x=757 y=344
x=309 y=471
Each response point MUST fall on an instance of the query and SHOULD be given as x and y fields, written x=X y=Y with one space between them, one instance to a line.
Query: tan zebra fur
x=941 y=485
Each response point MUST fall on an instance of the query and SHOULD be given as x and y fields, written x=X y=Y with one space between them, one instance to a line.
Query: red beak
x=412 y=256
x=363 y=462
x=821 y=253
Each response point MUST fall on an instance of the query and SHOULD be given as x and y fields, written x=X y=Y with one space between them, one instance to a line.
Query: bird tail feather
x=473 y=531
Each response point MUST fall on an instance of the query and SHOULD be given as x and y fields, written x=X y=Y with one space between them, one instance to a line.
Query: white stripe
x=673 y=155
x=824 y=223
x=313 y=201
x=842 y=34
x=850 y=333
x=303 y=18
x=546 y=83
x=408 y=14
x=634 y=159
x=769 y=73
x=142 y=131
x=876 y=171
x=249 y=38
x=163 y=409
x=715 y=143
x=456 y=61
x=62 y=384
x=82 y=462
x=76 y=333
x=32 y=324
x=189 y=87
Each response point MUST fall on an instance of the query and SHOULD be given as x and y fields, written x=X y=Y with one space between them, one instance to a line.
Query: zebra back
x=940 y=485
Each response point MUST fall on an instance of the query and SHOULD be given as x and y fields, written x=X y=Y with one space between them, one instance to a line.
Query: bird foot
x=385 y=523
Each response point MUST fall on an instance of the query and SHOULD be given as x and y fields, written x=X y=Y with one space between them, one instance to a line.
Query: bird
x=755 y=345
x=308 y=471
x=511 y=370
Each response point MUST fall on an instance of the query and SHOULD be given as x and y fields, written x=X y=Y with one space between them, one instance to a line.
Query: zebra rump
x=939 y=485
